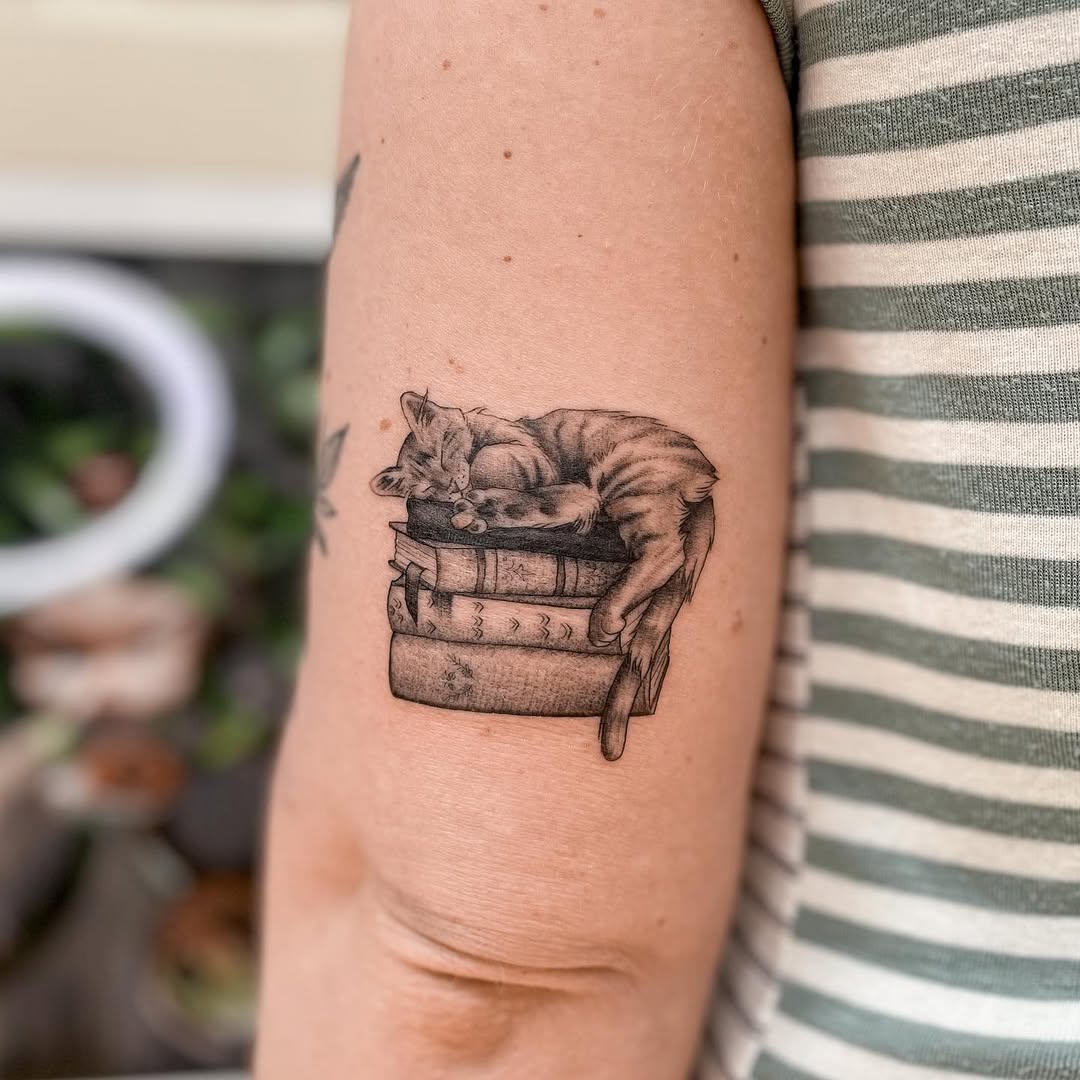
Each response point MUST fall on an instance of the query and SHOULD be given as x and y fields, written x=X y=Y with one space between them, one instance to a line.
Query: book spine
x=521 y=573
x=510 y=679
x=495 y=620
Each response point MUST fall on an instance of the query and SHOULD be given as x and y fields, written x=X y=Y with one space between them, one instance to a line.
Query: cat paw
x=584 y=525
x=604 y=626
x=466 y=517
x=588 y=514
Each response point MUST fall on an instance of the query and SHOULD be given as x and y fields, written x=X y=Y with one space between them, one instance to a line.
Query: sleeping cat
x=566 y=468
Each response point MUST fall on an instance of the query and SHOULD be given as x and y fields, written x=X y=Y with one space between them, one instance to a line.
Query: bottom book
x=516 y=679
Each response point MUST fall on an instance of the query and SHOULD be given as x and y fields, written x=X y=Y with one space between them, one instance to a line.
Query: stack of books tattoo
x=498 y=622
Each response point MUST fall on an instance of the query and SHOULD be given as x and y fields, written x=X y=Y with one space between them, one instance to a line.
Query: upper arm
x=558 y=206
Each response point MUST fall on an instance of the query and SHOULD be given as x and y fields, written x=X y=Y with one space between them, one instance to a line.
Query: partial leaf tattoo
x=344 y=192
x=329 y=458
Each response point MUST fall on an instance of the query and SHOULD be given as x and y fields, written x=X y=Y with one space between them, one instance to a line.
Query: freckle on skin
x=737 y=622
x=384 y=424
x=764 y=339
x=446 y=65
x=382 y=140
x=735 y=257
x=596 y=63
x=599 y=12
x=543 y=7
x=507 y=258
x=507 y=154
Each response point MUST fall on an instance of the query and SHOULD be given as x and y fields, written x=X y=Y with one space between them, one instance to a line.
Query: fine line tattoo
x=326 y=466
x=343 y=192
x=543 y=561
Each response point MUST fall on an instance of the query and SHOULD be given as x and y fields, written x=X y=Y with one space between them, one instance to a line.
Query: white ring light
x=148 y=333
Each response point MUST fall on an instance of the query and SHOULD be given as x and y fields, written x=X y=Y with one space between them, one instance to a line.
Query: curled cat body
x=566 y=469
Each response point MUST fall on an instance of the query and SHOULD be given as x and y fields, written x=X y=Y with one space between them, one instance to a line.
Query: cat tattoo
x=574 y=471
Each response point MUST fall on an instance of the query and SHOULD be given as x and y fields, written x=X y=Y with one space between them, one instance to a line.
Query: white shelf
x=178 y=126
x=174 y=215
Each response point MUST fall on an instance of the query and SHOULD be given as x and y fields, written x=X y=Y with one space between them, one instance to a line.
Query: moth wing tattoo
x=326 y=467
x=343 y=192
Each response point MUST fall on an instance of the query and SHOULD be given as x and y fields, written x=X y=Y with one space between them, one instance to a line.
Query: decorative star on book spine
x=326 y=469
x=516 y=572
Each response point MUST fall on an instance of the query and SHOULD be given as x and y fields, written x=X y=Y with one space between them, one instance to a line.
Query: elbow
x=490 y=1000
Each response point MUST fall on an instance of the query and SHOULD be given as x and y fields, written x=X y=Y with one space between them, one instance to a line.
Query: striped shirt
x=911 y=895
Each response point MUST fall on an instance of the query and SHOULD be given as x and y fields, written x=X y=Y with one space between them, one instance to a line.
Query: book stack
x=498 y=622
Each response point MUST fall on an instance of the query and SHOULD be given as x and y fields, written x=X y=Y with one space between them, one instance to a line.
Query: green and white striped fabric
x=911 y=901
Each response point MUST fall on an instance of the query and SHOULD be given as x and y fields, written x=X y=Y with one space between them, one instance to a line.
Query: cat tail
x=649 y=638
x=698 y=529
x=651 y=625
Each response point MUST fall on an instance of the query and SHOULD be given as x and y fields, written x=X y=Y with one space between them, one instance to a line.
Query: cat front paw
x=467 y=518
x=604 y=625
x=588 y=513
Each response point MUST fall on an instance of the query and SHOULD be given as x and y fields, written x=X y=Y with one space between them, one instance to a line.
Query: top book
x=431 y=521
x=512 y=562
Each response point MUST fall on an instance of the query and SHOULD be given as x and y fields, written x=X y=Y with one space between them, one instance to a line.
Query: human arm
x=556 y=206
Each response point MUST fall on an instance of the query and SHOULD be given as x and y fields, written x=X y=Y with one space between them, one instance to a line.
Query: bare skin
x=557 y=207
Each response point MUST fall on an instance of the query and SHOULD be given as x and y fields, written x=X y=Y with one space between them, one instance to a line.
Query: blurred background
x=166 y=172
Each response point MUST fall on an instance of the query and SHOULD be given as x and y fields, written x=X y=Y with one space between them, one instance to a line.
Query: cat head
x=433 y=462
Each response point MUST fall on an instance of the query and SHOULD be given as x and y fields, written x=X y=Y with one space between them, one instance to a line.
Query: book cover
x=472 y=568
x=429 y=520
x=497 y=620
x=511 y=679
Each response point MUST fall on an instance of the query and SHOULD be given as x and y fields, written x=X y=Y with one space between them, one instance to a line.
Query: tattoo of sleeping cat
x=571 y=471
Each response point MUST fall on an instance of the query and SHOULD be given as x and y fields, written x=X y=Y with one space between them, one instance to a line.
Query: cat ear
x=418 y=411
x=391 y=481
